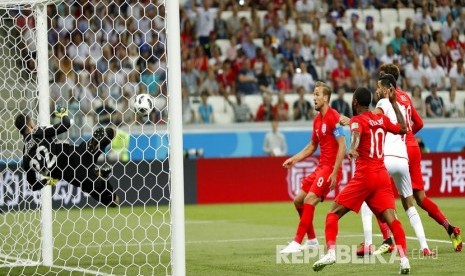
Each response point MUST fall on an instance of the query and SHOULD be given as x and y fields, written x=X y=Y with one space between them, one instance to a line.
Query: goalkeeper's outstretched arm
x=56 y=129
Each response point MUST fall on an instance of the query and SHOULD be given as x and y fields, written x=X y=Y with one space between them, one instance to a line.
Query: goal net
x=92 y=58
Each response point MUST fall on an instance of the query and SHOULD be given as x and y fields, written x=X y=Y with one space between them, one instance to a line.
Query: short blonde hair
x=327 y=91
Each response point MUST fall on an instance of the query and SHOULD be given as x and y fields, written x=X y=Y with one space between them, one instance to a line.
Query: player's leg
x=299 y=201
x=388 y=245
x=382 y=203
x=434 y=212
x=294 y=246
x=425 y=202
x=399 y=235
x=331 y=229
x=306 y=223
x=318 y=191
x=351 y=198
x=399 y=170
x=98 y=188
x=366 y=248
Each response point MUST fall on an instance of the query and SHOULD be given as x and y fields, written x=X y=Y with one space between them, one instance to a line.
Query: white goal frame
x=176 y=175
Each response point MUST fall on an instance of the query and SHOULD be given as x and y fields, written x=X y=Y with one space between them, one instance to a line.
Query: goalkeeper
x=45 y=161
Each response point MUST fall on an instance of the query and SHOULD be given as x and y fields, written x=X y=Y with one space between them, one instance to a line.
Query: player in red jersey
x=329 y=135
x=371 y=182
x=414 y=123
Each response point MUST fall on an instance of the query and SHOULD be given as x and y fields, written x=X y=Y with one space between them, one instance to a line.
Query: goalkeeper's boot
x=293 y=247
x=456 y=239
x=310 y=244
x=404 y=266
x=328 y=259
x=364 y=250
x=386 y=247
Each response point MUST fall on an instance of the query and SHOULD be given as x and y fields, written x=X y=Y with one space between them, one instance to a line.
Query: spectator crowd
x=104 y=52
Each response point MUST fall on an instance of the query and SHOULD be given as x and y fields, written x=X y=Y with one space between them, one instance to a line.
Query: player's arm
x=341 y=151
x=400 y=119
x=417 y=121
x=354 y=143
x=378 y=110
x=344 y=120
x=56 y=129
x=309 y=149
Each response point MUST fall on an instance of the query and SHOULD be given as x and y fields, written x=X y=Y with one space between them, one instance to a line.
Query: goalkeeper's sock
x=306 y=223
x=433 y=211
x=399 y=237
x=384 y=228
x=331 y=230
x=367 y=215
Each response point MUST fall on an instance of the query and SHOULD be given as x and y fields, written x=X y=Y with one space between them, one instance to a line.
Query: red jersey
x=413 y=120
x=325 y=132
x=372 y=129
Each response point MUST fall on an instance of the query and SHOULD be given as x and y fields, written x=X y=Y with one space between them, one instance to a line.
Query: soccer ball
x=143 y=104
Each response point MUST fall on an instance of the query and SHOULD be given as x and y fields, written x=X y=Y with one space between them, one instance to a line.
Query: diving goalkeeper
x=45 y=160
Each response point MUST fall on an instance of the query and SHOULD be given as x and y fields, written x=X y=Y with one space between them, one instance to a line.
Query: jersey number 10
x=377 y=143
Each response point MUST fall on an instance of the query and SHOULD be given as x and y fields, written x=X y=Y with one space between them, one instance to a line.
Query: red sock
x=433 y=211
x=331 y=230
x=300 y=209
x=399 y=237
x=306 y=223
x=384 y=229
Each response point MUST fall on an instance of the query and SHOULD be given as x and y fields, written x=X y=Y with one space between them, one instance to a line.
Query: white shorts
x=399 y=170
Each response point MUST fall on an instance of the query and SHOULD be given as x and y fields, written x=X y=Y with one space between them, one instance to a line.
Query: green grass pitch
x=236 y=239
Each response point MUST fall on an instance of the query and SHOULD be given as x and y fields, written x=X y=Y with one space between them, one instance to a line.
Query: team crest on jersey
x=323 y=128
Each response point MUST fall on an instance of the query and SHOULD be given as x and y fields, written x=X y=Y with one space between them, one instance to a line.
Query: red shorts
x=317 y=181
x=372 y=187
x=414 y=160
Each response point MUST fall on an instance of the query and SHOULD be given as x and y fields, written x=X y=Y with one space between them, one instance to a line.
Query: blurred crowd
x=278 y=47
x=102 y=53
x=105 y=52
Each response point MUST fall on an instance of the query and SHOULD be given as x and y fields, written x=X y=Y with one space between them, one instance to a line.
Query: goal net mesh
x=101 y=54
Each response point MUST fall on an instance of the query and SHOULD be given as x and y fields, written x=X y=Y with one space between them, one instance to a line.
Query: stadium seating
x=405 y=13
x=373 y=13
x=389 y=15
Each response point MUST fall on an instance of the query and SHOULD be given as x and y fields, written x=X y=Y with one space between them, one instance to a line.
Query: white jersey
x=394 y=145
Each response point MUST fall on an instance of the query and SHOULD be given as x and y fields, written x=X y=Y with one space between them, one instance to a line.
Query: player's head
x=361 y=99
x=386 y=82
x=389 y=69
x=321 y=95
x=23 y=123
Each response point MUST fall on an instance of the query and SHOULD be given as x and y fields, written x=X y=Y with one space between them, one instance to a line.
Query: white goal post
x=136 y=236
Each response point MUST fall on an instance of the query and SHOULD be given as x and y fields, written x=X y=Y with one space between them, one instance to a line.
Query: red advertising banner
x=236 y=180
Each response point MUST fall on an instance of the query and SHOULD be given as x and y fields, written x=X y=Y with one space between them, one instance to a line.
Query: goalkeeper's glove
x=61 y=112
x=48 y=180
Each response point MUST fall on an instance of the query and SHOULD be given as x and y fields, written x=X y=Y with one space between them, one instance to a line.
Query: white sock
x=367 y=215
x=415 y=221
